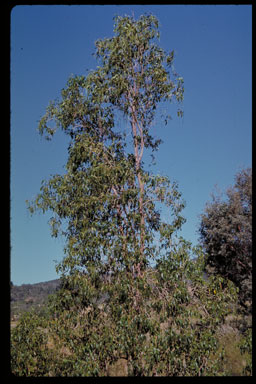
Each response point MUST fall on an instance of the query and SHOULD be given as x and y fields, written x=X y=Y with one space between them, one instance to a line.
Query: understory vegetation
x=182 y=326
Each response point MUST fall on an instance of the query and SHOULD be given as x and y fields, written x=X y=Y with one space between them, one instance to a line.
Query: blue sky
x=213 y=141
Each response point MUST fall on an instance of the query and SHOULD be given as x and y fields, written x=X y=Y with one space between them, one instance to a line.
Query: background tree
x=226 y=235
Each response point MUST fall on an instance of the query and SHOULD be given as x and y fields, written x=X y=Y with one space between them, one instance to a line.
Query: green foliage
x=29 y=356
x=113 y=312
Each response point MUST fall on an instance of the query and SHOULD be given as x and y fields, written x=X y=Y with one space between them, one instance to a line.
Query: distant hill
x=26 y=296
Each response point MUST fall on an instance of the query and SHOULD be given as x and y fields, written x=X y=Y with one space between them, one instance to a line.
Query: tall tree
x=135 y=72
x=111 y=305
x=106 y=195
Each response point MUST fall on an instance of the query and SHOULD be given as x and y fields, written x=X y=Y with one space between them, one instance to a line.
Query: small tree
x=226 y=235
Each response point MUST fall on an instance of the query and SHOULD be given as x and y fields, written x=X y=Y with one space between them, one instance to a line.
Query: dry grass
x=234 y=362
x=14 y=324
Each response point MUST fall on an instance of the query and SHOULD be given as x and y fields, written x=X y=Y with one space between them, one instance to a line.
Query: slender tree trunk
x=138 y=157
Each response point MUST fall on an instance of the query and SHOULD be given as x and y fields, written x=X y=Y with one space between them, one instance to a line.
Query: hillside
x=26 y=296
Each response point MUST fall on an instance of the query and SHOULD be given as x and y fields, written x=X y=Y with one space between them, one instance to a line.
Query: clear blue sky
x=213 y=46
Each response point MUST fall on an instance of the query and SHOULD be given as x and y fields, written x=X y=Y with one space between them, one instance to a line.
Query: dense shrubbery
x=170 y=331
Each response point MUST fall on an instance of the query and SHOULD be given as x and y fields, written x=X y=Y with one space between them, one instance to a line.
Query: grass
x=234 y=362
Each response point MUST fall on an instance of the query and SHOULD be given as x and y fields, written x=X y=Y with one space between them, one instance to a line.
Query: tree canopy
x=106 y=198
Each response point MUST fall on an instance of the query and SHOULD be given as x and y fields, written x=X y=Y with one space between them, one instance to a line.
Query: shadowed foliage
x=226 y=235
